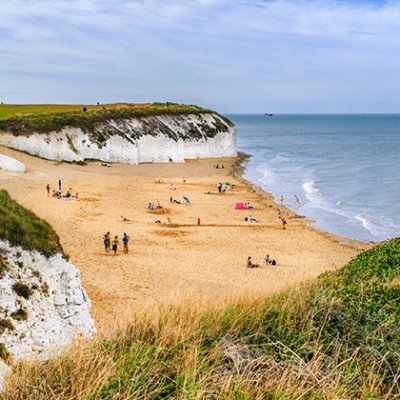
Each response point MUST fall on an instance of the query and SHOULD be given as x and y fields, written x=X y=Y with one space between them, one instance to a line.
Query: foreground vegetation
x=23 y=228
x=335 y=339
x=44 y=118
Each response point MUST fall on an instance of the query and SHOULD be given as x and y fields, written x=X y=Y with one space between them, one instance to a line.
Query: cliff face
x=157 y=138
x=43 y=305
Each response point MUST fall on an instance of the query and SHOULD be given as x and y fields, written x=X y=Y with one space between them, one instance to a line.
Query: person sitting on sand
x=125 y=240
x=115 y=245
x=269 y=260
x=186 y=201
x=167 y=221
x=250 y=264
x=68 y=195
x=106 y=241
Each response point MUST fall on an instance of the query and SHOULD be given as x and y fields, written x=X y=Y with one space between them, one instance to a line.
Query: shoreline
x=238 y=172
x=181 y=262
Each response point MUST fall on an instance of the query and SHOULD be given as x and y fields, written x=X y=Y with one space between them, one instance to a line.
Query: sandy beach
x=177 y=262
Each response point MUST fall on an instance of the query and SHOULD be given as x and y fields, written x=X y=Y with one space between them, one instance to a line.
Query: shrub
x=6 y=323
x=20 y=315
x=22 y=290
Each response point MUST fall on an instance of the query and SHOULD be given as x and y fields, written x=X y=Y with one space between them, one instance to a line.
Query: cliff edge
x=122 y=133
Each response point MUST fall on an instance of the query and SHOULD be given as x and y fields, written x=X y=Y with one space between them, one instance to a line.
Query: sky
x=243 y=56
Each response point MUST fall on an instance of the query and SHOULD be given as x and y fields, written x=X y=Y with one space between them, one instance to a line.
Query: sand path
x=169 y=264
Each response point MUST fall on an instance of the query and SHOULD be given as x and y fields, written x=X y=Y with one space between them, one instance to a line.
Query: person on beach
x=198 y=221
x=124 y=218
x=125 y=240
x=281 y=200
x=283 y=220
x=106 y=240
x=59 y=185
x=269 y=260
x=296 y=200
x=115 y=245
x=48 y=190
x=250 y=264
x=219 y=187
x=186 y=200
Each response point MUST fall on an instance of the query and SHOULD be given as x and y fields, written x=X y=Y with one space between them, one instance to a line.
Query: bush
x=20 y=315
x=22 y=290
x=6 y=323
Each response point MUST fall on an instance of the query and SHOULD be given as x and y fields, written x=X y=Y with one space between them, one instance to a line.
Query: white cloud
x=230 y=55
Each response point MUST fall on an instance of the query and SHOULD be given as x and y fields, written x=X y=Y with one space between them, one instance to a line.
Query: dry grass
x=329 y=340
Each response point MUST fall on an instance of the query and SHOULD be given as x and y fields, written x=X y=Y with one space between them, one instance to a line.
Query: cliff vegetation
x=20 y=227
x=45 y=118
x=335 y=338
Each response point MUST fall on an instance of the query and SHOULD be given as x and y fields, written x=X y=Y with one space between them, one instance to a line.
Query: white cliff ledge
x=158 y=138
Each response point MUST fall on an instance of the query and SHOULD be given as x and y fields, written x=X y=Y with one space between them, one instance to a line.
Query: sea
x=343 y=168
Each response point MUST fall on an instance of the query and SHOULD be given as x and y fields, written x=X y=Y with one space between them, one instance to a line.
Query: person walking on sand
x=48 y=190
x=296 y=200
x=281 y=200
x=115 y=245
x=59 y=185
x=198 y=221
x=283 y=220
x=125 y=240
x=106 y=240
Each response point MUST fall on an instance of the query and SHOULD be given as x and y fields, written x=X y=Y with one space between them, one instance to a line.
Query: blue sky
x=232 y=56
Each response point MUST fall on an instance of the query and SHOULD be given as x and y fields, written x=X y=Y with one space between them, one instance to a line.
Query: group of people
x=219 y=166
x=59 y=194
x=268 y=260
x=113 y=244
x=154 y=206
x=185 y=200
x=222 y=187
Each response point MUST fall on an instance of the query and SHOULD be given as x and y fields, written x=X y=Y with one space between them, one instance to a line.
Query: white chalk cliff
x=160 y=138
x=56 y=310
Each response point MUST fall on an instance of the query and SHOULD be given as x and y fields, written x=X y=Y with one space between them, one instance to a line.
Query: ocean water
x=345 y=169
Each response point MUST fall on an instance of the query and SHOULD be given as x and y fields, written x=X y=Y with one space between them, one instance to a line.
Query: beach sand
x=180 y=262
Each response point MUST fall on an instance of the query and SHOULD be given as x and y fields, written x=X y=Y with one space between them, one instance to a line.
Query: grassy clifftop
x=42 y=118
x=23 y=228
x=336 y=338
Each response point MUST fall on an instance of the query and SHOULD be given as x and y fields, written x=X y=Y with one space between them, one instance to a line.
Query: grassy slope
x=23 y=119
x=23 y=228
x=337 y=338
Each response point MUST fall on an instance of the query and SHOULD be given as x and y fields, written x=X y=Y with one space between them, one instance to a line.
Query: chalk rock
x=161 y=138
x=11 y=164
x=55 y=312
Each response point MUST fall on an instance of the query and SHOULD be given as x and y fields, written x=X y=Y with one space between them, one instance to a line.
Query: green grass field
x=45 y=118
x=8 y=111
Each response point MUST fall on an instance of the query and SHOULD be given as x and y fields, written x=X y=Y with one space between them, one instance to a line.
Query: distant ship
x=269 y=115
